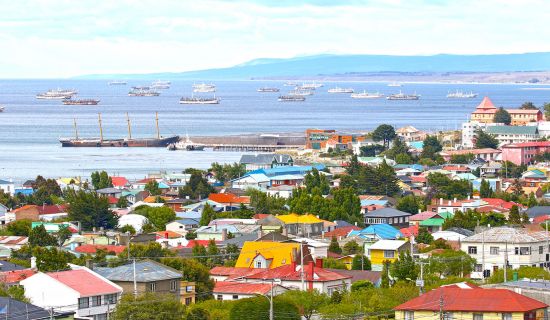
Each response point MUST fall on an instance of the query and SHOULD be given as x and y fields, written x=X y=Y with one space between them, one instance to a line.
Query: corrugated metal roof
x=507 y=234
x=146 y=271
x=512 y=130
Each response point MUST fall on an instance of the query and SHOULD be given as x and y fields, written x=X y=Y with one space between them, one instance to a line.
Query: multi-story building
x=410 y=134
x=486 y=154
x=393 y=217
x=317 y=139
x=486 y=110
x=513 y=134
x=524 y=153
x=515 y=247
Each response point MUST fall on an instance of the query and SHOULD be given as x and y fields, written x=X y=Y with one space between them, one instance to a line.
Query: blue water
x=30 y=128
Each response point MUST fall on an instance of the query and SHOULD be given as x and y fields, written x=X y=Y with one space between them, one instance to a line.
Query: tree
x=41 y=238
x=385 y=277
x=151 y=250
x=45 y=191
x=149 y=306
x=524 y=217
x=334 y=247
x=462 y=158
x=424 y=236
x=91 y=209
x=198 y=313
x=410 y=204
x=387 y=180
x=197 y=187
x=258 y=309
x=485 y=190
x=14 y=292
x=523 y=272
x=208 y=214
x=371 y=150
x=227 y=172
x=450 y=263
x=331 y=263
x=62 y=234
x=308 y=302
x=404 y=268
x=403 y=158
x=546 y=108
x=20 y=227
x=122 y=202
x=101 y=180
x=361 y=285
x=502 y=116
x=398 y=148
x=485 y=140
x=361 y=262
x=158 y=216
x=351 y=248
x=127 y=229
x=314 y=179
x=195 y=271
x=528 y=105
x=213 y=252
x=431 y=147
x=532 y=201
x=153 y=188
x=441 y=186
x=516 y=187
x=384 y=133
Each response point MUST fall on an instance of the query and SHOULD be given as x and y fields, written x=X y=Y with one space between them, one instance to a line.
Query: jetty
x=253 y=142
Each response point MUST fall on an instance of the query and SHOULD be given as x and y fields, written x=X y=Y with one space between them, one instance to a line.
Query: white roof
x=448 y=235
x=387 y=245
x=141 y=203
x=311 y=242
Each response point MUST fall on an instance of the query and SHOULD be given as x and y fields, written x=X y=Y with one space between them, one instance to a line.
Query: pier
x=253 y=142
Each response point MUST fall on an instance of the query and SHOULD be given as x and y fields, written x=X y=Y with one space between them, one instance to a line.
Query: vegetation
x=91 y=209
x=384 y=133
x=528 y=105
x=258 y=308
x=158 y=216
x=485 y=140
x=193 y=270
x=424 y=236
x=41 y=238
x=471 y=218
x=351 y=248
x=361 y=262
x=153 y=188
x=261 y=202
x=227 y=172
x=441 y=186
x=431 y=147
x=410 y=203
x=502 y=116
x=334 y=247
x=197 y=187
x=208 y=214
x=523 y=272
x=462 y=158
x=149 y=306
x=101 y=180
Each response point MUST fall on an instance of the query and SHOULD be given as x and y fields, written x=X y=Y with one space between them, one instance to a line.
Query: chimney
x=319 y=263
x=450 y=202
x=33 y=263
x=419 y=210
x=454 y=200
x=309 y=274
x=166 y=235
x=440 y=201
x=468 y=197
x=90 y=264
x=224 y=234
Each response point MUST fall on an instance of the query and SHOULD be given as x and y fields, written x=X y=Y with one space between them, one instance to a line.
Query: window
x=478 y=316
x=541 y=249
x=472 y=250
x=494 y=250
x=96 y=301
x=83 y=303
x=258 y=264
x=189 y=289
x=409 y=315
x=188 y=301
x=173 y=285
x=478 y=268
x=235 y=297
x=447 y=316
x=153 y=286
x=110 y=299
x=219 y=297
x=389 y=254
x=524 y=251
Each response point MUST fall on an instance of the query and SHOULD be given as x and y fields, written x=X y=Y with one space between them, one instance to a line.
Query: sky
x=53 y=39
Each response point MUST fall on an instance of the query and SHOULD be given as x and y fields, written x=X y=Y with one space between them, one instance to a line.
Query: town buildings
x=486 y=110
x=525 y=152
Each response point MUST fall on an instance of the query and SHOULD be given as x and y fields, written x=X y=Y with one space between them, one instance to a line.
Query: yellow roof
x=152 y=199
x=278 y=253
x=297 y=218
x=68 y=180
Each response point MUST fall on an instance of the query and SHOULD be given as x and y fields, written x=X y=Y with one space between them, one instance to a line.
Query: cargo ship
x=199 y=100
x=56 y=94
x=291 y=98
x=402 y=96
x=81 y=102
x=100 y=142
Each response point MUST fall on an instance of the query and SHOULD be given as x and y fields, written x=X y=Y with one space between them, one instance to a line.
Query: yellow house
x=267 y=254
x=469 y=302
x=386 y=250
x=303 y=225
x=347 y=260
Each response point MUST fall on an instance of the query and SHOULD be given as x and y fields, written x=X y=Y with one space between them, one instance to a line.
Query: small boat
x=118 y=83
x=204 y=86
x=402 y=96
x=81 y=102
x=461 y=95
x=367 y=95
x=340 y=90
x=186 y=145
x=312 y=86
x=143 y=92
x=290 y=84
x=199 y=100
x=291 y=98
x=300 y=92
x=395 y=84
x=204 y=89
x=268 y=89
x=56 y=94
x=160 y=85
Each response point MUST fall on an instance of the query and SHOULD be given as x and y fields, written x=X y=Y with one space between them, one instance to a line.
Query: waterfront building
x=317 y=139
x=265 y=161
x=513 y=134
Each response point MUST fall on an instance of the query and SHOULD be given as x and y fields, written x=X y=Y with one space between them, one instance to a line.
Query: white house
x=182 y=226
x=255 y=180
x=82 y=291
x=234 y=290
x=135 y=220
x=7 y=186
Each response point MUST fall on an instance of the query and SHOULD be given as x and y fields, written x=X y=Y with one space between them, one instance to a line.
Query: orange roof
x=167 y=235
x=341 y=232
x=486 y=104
x=523 y=111
x=26 y=207
x=228 y=198
x=119 y=181
x=16 y=275
x=242 y=287
x=152 y=199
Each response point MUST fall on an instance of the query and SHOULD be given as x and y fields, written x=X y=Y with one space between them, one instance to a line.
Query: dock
x=253 y=142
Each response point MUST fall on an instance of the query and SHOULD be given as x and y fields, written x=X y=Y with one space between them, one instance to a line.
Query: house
x=265 y=161
x=14 y=277
x=234 y=290
x=452 y=206
x=486 y=110
x=150 y=276
x=317 y=139
x=340 y=233
x=13 y=242
x=219 y=233
x=386 y=250
x=538 y=211
x=119 y=182
x=17 y=310
x=513 y=134
x=377 y=232
x=267 y=254
x=486 y=154
x=183 y=226
x=522 y=248
x=7 y=186
x=306 y=225
x=532 y=288
x=393 y=217
x=490 y=169
x=229 y=200
x=136 y=221
x=410 y=133
x=110 y=192
x=524 y=153
x=317 y=249
x=81 y=291
x=435 y=223
x=464 y=301
x=92 y=249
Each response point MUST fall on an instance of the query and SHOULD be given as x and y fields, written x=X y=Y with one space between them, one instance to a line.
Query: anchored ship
x=159 y=84
x=267 y=89
x=199 y=100
x=187 y=145
x=157 y=141
x=402 y=96
x=118 y=83
x=2 y=108
x=81 y=102
x=462 y=95
x=143 y=92
x=291 y=98
x=340 y=90
x=312 y=85
x=394 y=84
x=56 y=94
x=367 y=95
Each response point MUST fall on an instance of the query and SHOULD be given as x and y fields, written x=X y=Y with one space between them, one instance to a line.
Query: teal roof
x=512 y=130
x=466 y=176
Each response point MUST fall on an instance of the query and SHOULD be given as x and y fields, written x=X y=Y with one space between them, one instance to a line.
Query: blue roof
x=367 y=202
x=286 y=170
x=188 y=221
x=384 y=231
x=24 y=191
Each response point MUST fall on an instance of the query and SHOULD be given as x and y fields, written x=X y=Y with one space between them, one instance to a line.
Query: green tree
x=351 y=248
x=261 y=202
x=195 y=271
x=331 y=263
x=314 y=179
x=197 y=187
x=485 y=140
x=198 y=314
x=62 y=234
x=424 y=236
x=101 y=180
x=387 y=180
x=334 y=247
x=385 y=277
x=258 y=308
x=431 y=147
x=514 y=216
x=361 y=285
x=122 y=202
x=485 y=190
x=404 y=268
x=398 y=147
x=19 y=227
x=91 y=209
x=502 y=116
x=127 y=229
x=41 y=238
x=371 y=150
x=410 y=204
x=524 y=217
x=462 y=158
x=403 y=158
x=14 y=292
x=153 y=188
x=308 y=302
x=151 y=250
x=523 y=272
x=450 y=263
x=441 y=186
x=361 y=262
x=532 y=201
x=158 y=216
x=384 y=133
x=149 y=306
x=546 y=108
x=227 y=172
x=528 y=105
x=516 y=187
x=45 y=191
x=208 y=214
x=213 y=253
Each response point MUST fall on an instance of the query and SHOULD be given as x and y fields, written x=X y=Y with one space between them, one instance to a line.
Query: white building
x=469 y=133
x=7 y=186
x=493 y=246
x=137 y=221
x=234 y=290
x=82 y=291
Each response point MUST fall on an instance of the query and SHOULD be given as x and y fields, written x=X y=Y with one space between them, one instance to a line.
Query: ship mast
x=157 y=123
x=129 y=128
x=100 y=128
x=75 y=129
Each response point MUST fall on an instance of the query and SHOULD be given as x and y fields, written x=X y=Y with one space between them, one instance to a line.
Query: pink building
x=524 y=153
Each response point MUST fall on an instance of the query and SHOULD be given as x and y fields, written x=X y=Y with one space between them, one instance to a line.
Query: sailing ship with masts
x=157 y=141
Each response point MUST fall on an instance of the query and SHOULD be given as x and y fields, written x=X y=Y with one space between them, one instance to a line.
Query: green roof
x=512 y=130
x=432 y=222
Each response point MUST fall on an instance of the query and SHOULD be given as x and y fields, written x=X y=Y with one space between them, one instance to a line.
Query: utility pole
x=135 y=282
x=271 y=301
x=483 y=255
x=506 y=261
x=302 y=265
x=547 y=245
x=441 y=304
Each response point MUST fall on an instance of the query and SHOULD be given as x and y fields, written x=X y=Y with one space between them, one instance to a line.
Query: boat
x=118 y=83
x=143 y=92
x=204 y=86
x=2 y=108
x=199 y=100
x=157 y=141
x=312 y=86
x=300 y=92
x=187 y=145
x=402 y=96
x=395 y=84
x=268 y=89
x=290 y=84
x=159 y=84
x=164 y=82
x=291 y=98
x=204 y=89
x=340 y=90
x=461 y=95
x=367 y=95
x=81 y=102
x=56 y=94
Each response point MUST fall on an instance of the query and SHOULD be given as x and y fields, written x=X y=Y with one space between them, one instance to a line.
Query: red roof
x=259 y=216
x=52 y=209
x=16 y=275
x=92 y=248
x=341 y=232
x=167 y=235
x=410 y=231
x=290 y=272
x=420 y=179
x=241 y=287
x=85 y=282
x=193 y=243
x=119 y=181
x=112 y=200
x=228 y=198
x=501 y=203
x=541 y=219
x=472 y=299
x=456 y=168
x=528 y=144
x=486 y=104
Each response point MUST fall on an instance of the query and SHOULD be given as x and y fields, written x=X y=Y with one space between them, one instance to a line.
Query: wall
x=431 y=315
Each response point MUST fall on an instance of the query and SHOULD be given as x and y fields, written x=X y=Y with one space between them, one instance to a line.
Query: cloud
x=63 y=38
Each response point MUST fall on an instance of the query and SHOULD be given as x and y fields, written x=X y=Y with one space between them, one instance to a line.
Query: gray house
x=265 y=161
x=393 y=217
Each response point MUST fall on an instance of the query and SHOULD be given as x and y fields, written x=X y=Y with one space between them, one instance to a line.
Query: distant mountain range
x=329 y=65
